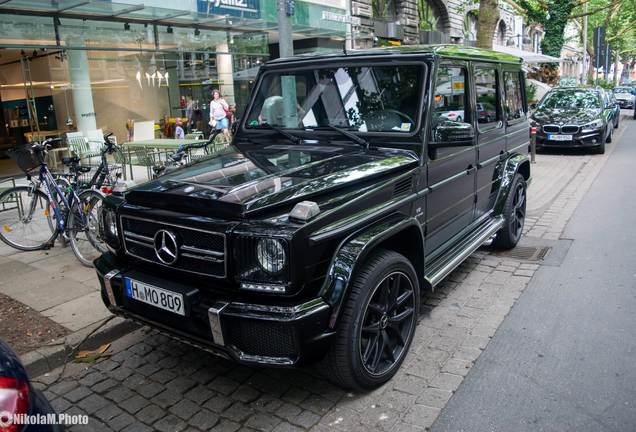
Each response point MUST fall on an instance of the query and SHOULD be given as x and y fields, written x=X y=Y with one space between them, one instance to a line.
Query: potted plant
x=384 y=20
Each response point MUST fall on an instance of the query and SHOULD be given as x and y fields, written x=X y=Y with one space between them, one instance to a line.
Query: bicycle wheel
x=27 y=220
x=83 y=227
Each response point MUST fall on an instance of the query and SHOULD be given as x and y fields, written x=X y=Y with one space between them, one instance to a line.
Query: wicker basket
x=27 y=159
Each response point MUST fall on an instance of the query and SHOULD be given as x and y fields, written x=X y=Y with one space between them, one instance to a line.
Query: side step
x=446 y=263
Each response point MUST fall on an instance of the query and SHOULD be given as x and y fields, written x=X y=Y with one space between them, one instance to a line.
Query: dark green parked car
x=354 y=183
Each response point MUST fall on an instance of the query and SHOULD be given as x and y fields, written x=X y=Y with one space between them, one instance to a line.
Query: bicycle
x=34 y=215
x=177 y=158
x=102 y=179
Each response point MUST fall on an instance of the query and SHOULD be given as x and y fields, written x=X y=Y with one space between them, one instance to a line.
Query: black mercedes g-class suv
x=354 y=182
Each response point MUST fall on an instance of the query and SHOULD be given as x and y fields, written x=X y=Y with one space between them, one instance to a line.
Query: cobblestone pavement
x=150 y=382
x=153 y=383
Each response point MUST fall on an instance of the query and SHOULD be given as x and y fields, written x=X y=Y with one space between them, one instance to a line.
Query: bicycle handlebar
x=111 y=147
x=184 y=147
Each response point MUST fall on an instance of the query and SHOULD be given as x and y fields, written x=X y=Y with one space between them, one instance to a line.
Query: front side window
x=356 y=98
x=488 y=112
x=513 y=103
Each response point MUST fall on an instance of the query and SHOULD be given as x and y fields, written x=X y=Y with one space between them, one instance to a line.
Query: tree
x=488 y=18
x=617 y=17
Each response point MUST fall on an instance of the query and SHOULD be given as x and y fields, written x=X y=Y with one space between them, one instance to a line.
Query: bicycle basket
x=26 y=158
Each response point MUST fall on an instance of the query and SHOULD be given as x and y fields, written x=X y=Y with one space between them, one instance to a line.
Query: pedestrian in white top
x=219 y=110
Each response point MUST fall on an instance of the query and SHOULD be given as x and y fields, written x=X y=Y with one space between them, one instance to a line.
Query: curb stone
x=49 y=357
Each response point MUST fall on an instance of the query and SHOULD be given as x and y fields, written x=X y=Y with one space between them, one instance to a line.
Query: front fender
x=514 y=164
x=352 y=252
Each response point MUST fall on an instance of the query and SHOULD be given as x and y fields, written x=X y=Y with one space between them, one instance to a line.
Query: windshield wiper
x=291 y=137
x=353 y=137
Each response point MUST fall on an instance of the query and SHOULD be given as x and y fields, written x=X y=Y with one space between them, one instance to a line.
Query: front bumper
x=591 y=139
x=249 y=333
x=625 y=103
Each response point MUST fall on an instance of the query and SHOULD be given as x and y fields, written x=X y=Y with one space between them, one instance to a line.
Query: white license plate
x=155 y=296
x=554 y=137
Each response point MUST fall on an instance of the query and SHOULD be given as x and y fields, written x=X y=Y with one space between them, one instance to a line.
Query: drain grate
x=527 y=253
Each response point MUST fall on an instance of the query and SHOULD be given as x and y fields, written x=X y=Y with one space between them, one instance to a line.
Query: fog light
x=594 y=141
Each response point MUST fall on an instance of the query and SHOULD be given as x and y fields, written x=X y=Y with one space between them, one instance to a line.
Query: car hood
x=565 y=115
x=247 y=179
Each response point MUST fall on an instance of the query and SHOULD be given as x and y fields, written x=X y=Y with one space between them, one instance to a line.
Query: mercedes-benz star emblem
x=166 y=247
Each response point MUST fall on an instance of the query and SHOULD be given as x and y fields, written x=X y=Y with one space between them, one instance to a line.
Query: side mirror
x=453 y=134
x=533 y=106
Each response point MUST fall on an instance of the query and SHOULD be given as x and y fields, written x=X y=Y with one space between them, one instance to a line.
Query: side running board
x=446 y=263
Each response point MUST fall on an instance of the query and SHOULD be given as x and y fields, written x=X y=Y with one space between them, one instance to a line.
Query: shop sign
x=347 y=19
x=239 y=8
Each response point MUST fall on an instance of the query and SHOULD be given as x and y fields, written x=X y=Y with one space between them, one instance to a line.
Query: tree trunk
x=488 y=17
x=617 y=61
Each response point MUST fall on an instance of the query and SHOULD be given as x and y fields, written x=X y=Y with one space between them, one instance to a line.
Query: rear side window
x=486 y=91
x=513 y=103
x=450 y=96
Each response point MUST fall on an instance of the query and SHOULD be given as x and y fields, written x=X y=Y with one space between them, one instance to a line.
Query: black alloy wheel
x=519 y=210
x=377 y=323
x=388 y=321
x=514 y=213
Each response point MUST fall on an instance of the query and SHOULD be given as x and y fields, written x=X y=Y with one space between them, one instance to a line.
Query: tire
x=365 y=326
x=609 y=136
x=84 y=233
x=600 y=149
x=27 y=221
x=514 y=214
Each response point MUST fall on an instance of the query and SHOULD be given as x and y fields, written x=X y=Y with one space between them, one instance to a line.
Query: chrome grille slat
x=202 y=257
x=139 y=242
x=149 y=245
x=138 y=236
x=201 y=251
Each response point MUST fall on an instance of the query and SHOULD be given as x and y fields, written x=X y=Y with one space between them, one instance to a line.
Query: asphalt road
x=565 y=357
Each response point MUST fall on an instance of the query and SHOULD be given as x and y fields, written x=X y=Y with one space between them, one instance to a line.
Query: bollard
x=533 y=143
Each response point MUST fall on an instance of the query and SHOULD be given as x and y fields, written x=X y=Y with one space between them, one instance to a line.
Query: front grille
x=202 y=252
x=569 y=129
x=551 y=129
x=264 y=338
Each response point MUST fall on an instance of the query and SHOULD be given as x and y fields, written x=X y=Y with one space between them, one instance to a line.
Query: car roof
x=443 y=51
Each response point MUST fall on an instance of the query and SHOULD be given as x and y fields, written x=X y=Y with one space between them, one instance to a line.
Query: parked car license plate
x=155 y=296
x=555 y=137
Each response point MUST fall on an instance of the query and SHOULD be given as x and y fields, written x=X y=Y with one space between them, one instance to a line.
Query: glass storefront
x=103 y=65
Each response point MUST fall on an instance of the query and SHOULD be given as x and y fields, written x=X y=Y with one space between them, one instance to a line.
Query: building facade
x=437 y=21
x=100 y=64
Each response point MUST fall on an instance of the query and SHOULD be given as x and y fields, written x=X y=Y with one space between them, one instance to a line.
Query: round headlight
x=270 y=254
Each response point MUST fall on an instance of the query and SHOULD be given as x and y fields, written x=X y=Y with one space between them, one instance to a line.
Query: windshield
x=572 y=99
x=357 y=98
x=622 y=90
